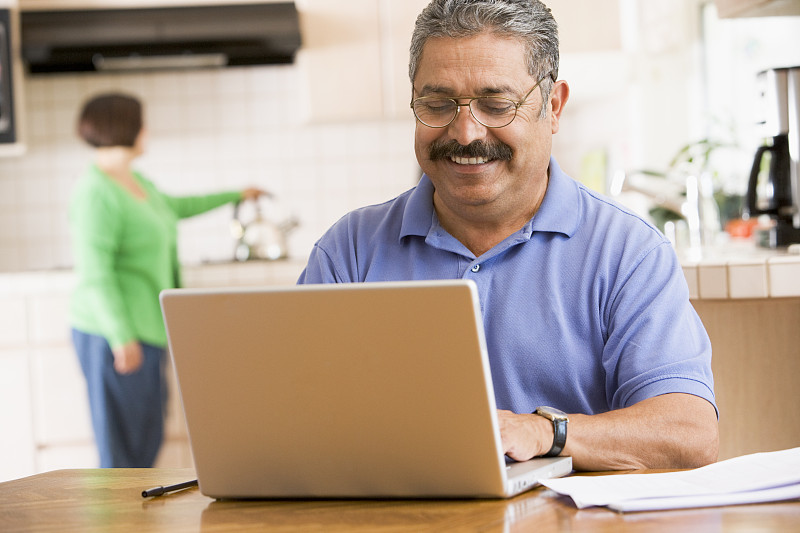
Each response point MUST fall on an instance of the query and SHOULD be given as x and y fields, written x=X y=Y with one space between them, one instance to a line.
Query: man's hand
x=668 y=431
x=524 y=436
x=128 y=358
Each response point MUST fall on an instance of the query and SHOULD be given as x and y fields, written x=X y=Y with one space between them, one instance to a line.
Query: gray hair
x=529 y=21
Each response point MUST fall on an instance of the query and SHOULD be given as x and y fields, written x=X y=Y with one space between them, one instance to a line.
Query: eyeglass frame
x=468 y=104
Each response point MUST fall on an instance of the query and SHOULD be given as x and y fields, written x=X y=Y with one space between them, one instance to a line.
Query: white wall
x=736 y=50
x=209 y=130
x=677 y=75
x=642 y=87
x=633 y=99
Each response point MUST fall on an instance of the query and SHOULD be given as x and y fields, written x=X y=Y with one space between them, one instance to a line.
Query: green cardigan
x=125 y=252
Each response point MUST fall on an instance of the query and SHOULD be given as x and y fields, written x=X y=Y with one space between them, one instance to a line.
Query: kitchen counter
x=740 y=270
x=749 y=301
x=247 y=273
x=224 y=274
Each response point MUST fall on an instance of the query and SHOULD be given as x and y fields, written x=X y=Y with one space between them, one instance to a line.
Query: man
x=585 y=306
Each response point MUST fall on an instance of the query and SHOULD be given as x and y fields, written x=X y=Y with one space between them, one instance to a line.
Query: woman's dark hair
x=111 y=119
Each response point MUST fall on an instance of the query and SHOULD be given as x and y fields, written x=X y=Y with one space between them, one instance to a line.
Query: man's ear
x=559 y=95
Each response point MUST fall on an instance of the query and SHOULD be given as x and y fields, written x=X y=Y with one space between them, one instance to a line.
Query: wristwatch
x=559 y=419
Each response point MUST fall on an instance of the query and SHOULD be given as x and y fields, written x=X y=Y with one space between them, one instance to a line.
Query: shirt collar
x=418 y=214
x=559 y=212
x=560 y=209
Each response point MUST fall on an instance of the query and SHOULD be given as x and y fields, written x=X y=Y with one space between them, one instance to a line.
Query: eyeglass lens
x=490 y=111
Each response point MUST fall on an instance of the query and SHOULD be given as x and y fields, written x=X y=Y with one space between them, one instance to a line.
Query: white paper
x=744 y=474
x=789 y=492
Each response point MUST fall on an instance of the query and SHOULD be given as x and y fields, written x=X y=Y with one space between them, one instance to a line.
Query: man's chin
x=469 y=192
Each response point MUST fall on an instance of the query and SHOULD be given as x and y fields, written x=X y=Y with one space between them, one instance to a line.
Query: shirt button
x=475 y=268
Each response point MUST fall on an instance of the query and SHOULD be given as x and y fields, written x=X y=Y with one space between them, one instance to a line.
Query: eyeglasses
x=490 y=111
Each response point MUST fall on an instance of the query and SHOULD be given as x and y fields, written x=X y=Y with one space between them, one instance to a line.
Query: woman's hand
x=128 y=358
x=253 y=193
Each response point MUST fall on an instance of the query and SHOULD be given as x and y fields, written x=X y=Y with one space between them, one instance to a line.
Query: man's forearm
x=668 y=431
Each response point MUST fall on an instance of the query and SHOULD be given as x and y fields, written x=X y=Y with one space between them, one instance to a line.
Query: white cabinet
x=122 y=4
x=16 y=416
x=355 y=58
x=355 y=54
x=44 y=418
x=756 y=8
x=17 y=447
x=45 y=422
x=601 y=17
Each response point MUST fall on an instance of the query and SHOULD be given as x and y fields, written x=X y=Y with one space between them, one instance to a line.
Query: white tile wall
x=208 y=130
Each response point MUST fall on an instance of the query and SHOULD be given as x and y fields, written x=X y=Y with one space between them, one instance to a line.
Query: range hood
x=159 y=38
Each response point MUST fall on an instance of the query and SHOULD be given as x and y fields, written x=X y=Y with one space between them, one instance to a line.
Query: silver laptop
x=369 y=390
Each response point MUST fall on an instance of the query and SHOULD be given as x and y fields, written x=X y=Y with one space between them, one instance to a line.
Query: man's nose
x=464 y=128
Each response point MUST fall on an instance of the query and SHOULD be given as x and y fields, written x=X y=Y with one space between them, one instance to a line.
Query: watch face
x=551 y=412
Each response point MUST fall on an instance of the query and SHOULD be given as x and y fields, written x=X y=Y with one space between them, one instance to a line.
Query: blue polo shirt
x=585 y=308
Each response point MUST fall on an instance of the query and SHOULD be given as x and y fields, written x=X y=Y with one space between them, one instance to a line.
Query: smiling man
x=488 y=157
x=594 y=347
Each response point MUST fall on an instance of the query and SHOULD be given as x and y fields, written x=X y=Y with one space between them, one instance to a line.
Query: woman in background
x=124 y=237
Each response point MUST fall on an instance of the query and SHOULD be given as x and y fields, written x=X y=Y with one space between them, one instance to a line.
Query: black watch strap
x=559 y=437
x=559 y=420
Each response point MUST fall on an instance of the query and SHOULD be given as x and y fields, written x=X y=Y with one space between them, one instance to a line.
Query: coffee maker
x=774 y=186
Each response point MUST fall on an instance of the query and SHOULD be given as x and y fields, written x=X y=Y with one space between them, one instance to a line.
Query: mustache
x=447 y=149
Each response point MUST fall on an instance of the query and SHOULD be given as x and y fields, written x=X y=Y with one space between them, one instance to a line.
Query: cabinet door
x=398 y=24
x=355 y=57
x=587 y=26
x=756 y=8
x=17 y=448
x=122 y=4
x=341 y=59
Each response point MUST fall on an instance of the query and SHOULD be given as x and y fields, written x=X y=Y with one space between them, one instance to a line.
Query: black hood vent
x=159 y=38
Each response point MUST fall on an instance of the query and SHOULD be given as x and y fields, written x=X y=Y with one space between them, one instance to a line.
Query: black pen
x=158 y=491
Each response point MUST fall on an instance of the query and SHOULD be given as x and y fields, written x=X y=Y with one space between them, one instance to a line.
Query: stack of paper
x=756 y=478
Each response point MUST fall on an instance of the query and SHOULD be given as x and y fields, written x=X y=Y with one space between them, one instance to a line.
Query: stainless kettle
x=261 y=237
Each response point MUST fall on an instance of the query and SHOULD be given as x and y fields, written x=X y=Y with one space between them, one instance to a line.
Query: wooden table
x=110 y=501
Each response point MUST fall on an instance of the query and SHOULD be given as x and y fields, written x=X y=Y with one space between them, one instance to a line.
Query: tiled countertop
x=737 y=271
x=282 y=272
x=741 y=270
x=204 y=275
